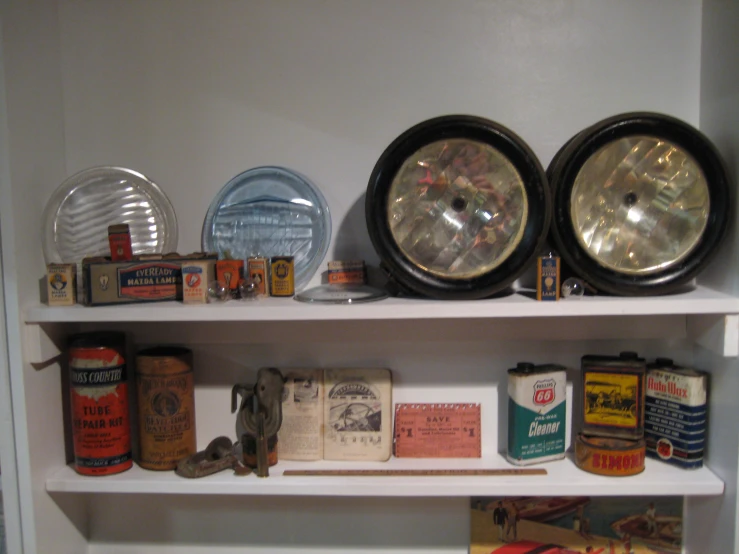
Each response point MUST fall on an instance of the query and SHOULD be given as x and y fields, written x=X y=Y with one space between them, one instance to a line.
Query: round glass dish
x=341 y=294
x=77 y=215
x=270 y=211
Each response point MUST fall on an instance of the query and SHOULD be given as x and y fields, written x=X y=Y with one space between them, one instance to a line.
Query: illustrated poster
x=576 y=525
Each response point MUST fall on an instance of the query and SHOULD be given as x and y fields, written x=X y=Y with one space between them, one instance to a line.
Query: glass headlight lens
x=639 y=205
x=457 y=208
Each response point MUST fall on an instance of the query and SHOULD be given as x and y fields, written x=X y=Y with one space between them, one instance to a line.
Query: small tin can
x=613 y=395
x=347 y=272
x=547 y=278
x=258 y=270
x=166 y=398
x=119 y=237
x=99 y=401
x=194 y=282
x=282 y=271
x=61 y=284
x=230 y=273
x=537 y=411
x=609 y=456
x=675 y=421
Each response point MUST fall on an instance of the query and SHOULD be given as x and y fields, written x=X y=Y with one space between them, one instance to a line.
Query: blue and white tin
x=675 y=422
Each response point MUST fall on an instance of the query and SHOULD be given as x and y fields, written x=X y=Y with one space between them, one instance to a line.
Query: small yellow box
x=61 y=283
x=282 y=272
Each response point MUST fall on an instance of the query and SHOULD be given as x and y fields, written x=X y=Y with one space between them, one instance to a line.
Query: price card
x=437 y=431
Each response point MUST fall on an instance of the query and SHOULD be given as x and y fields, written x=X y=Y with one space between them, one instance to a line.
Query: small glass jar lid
x=350 y=293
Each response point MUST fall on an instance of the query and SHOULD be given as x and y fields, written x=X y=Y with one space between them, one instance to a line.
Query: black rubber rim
x=566 y=165
x=461 y=127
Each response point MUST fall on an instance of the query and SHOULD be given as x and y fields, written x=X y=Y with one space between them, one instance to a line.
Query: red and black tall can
x=99 y=402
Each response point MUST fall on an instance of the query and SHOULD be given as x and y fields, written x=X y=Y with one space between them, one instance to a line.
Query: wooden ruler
x=409 y=472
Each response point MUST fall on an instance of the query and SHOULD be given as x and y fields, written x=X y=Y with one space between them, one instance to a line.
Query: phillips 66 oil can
x=537 y=404
x=164 y=380
x=99 y=402
x=613 y=395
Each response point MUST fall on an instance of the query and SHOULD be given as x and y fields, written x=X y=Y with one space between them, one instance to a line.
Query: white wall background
x=191 y=93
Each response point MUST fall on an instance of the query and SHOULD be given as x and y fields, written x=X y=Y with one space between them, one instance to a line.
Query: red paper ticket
x=437 y=431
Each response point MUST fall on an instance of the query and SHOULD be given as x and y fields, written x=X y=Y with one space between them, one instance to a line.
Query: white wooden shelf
x=563 y=478
x=700 y=300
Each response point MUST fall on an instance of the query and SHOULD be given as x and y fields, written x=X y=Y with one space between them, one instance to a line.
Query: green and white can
x=537 y=409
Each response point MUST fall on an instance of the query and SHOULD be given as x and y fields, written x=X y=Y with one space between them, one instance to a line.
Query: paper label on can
x=538 y=393
x=534 y=435
x=99 y=401
x=611 y=399
x=166 y=419
x=536 y=415
x=671 y=385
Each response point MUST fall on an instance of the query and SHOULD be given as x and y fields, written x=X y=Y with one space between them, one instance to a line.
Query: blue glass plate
x=270 y=211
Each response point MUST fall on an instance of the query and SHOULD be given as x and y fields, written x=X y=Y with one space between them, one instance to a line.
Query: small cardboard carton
x=147 y=278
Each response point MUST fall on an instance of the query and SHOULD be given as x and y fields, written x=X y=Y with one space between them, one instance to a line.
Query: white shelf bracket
x=718 y=333
x=42 y=343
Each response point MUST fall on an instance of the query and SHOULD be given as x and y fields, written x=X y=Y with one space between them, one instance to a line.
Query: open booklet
x=336 y=414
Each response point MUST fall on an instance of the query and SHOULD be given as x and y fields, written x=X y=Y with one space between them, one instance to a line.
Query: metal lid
x=624 y=359
x=527 y=368
x=164 y=351
x=349 y=293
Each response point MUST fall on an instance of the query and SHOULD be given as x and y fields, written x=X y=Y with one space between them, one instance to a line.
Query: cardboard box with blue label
x=147 y=278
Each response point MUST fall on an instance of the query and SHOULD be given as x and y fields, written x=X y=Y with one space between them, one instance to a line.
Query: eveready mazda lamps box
x=148 y=278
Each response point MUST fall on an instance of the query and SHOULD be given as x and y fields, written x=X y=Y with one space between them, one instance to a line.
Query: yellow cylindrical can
x=166 y=396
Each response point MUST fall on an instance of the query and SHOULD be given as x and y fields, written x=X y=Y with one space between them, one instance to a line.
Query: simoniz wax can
x=537 y=409
x=675 y=421
x=99 y=401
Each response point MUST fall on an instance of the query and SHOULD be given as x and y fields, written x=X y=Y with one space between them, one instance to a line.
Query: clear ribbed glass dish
x=77 y=215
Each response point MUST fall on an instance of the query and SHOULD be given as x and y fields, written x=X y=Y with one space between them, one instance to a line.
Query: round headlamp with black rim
x=457 y=207
x=641 y=203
